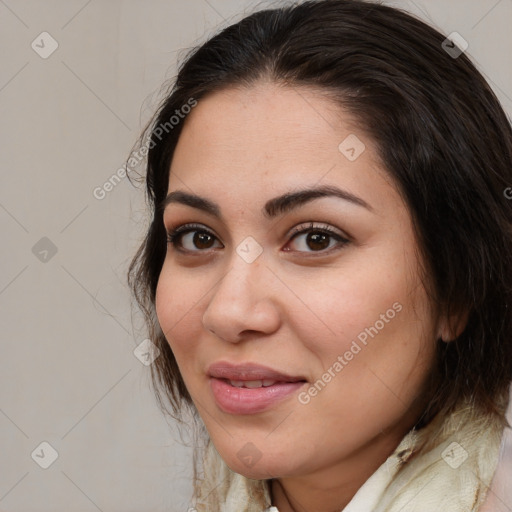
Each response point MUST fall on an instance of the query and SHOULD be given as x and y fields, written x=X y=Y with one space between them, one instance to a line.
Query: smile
x=250 y=388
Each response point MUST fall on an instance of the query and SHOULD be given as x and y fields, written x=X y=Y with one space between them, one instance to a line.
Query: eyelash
x=174 y=235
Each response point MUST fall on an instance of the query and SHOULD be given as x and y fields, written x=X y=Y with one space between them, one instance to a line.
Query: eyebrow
x=273 y=207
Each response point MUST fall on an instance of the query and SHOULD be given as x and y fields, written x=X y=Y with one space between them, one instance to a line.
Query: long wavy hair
x=441 y=134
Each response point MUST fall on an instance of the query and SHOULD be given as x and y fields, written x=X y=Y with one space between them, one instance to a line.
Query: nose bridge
x=242 y=300
x=241 y=284
x=247 y=270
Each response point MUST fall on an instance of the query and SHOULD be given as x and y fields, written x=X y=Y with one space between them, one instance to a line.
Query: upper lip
x=249 y=372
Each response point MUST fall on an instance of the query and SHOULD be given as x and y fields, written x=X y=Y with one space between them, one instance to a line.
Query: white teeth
x=252 y=384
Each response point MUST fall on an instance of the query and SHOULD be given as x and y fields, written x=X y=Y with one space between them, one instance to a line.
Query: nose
x=242 y=303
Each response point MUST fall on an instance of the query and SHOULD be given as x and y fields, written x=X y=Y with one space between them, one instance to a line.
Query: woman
x=328 y=270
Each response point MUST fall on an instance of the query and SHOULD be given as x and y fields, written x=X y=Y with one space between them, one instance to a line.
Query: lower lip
x=235 y=400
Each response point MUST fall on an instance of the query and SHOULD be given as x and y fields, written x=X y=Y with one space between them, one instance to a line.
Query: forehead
x=266 y=139
x=266 y=120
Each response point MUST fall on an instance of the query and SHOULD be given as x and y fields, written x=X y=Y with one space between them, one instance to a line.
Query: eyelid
x=318 y=226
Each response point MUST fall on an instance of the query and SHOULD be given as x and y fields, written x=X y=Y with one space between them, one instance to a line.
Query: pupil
x=201 y=240
x=318 y=238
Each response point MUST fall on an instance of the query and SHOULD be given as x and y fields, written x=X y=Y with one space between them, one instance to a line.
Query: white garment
x=499 y=497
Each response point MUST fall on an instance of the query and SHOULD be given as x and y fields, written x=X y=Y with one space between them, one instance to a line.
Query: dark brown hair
x=441 y=134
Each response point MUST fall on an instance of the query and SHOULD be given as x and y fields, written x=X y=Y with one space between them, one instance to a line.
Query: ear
x=451 y=327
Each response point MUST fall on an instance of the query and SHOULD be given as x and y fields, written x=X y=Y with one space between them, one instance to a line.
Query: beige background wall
x=69 y=376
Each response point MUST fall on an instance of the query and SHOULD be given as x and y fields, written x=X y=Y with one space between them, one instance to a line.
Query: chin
x=261 y=469
x=257 y=472
x=252 y=473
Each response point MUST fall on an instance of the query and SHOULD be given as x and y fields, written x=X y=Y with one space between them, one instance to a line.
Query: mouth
x=253 y=384
x=250 y=388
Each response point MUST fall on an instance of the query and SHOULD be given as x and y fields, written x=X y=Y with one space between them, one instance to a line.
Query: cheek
x=377 y=318
x=350 y=305
x=177 y=310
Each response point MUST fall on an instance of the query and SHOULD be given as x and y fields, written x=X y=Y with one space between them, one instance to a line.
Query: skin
x=296 y=310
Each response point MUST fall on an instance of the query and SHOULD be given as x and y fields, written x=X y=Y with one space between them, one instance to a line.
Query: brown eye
x=191 y=239
x=316 y=239
x=202 y=240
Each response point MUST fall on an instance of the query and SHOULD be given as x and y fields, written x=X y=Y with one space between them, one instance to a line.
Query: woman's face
x=257 y=290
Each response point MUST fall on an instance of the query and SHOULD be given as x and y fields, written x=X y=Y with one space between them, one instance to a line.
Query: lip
x=249 y=371
x=235 y=400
